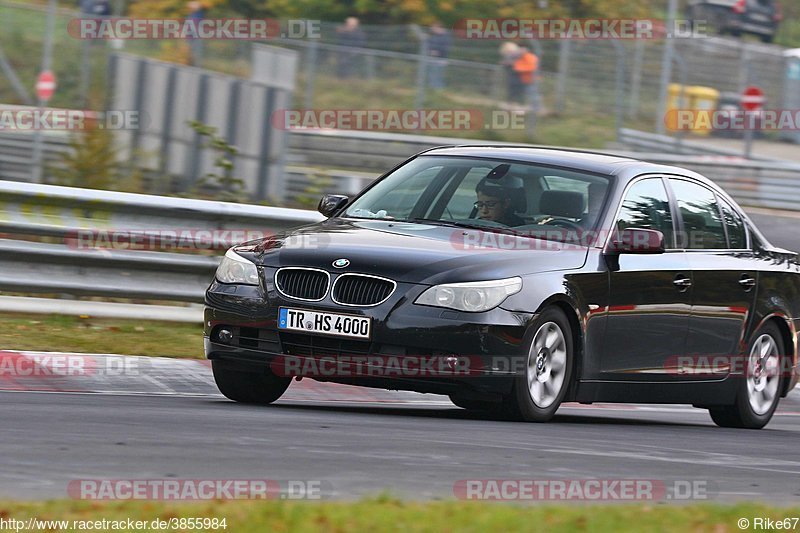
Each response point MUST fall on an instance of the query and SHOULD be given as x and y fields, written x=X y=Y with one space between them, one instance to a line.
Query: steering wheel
x=564 y=223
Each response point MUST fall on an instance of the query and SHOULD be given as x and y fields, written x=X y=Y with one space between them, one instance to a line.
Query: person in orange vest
x=525 y=66
x=521 y=66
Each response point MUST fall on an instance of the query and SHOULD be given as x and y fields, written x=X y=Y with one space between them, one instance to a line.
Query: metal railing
x=72 y=214
x=361 y=156
x=347 y=161
x=63 y=214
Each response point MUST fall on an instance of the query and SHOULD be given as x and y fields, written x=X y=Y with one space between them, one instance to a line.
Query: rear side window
x=737 y=235
x=646 y=205
x=702 y=223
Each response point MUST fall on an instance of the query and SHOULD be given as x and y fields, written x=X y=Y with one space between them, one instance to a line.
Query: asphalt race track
x=360 y=443
x=413 y=451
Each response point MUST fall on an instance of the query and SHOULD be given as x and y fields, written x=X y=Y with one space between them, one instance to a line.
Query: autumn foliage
x=401 y=11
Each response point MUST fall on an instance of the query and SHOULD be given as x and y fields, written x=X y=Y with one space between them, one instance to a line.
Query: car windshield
x=520 y=198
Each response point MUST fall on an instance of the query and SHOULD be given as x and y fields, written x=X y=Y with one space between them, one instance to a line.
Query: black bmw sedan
x=514 y=279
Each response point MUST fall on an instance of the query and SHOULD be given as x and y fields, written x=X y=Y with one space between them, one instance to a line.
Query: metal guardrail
x=65 y=213
x=639 y=141
x=71 y=213
x=16 y=152
x=362 y=156
x=49 y=210
x=347 y=161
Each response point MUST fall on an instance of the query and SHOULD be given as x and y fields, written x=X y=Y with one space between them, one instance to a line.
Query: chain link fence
x=582 y=83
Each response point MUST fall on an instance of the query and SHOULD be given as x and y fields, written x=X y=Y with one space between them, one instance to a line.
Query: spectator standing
x=196 y=14
x=525 y=66
x=438 y=49
x=352 y=36
x=521 y=65
x=508 y=55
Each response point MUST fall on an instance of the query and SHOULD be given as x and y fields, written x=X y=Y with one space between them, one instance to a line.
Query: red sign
x=45 y=85
x=752 y=98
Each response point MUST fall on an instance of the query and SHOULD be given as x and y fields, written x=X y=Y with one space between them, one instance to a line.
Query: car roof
x=598 y=162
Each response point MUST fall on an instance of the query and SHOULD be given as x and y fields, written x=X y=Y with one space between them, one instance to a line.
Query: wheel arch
x=788 y=336
x=570 y=309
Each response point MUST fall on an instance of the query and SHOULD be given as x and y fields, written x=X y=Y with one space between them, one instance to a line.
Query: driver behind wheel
x=496 y=200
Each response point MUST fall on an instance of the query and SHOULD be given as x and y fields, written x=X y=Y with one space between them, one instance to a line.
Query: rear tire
x=757 y=392
x=237 y=384
x=540 y=388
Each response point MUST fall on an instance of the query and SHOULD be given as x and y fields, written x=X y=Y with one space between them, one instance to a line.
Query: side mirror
x=637 y=241
x=330 y=203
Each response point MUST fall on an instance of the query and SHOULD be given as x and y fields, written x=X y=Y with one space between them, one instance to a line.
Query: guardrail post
x=636 y=78
x=47 y=61
x=683 y=77
x=563 y=73
x=619 y=87
x=666 y=68
x=311 y=73
x=746 y=73
x=369 y=60
x=193 y=154
x=136 y=134
x=422 y=68
x=265 y=160
x=166 y=128
x=497 y=83
x=233 y=120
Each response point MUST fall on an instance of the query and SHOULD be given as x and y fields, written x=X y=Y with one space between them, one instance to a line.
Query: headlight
x=472 y=297
x=236 y=269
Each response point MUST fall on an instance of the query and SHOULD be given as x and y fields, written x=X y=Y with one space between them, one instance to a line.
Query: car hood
x=413 y=252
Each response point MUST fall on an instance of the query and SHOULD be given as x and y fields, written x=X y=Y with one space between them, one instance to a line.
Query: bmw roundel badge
x=341 y=263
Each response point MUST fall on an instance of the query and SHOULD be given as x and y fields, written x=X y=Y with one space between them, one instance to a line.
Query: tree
x=405 y=11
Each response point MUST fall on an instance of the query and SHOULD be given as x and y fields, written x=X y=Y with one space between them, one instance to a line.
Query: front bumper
x=411 y=347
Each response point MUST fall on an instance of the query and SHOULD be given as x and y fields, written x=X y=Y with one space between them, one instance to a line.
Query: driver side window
x=646 y=205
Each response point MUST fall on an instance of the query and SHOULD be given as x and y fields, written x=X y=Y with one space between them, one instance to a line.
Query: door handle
x=747 y=282
x=682 y=282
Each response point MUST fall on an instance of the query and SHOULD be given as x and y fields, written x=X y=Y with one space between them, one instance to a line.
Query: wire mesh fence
x=587 y=80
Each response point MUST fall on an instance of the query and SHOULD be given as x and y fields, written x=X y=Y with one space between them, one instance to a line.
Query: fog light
x=225 y=336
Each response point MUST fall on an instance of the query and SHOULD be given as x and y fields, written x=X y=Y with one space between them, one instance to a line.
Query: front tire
x=758 y=391
x=541 y=387
x=240 y=385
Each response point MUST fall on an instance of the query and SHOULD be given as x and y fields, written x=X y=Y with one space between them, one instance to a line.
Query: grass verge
x=61 y=333
x=386 y=514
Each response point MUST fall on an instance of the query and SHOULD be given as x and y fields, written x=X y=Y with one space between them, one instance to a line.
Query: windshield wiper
x=453 y=224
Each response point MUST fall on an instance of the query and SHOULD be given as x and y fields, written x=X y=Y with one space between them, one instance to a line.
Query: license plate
x=357 y=327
